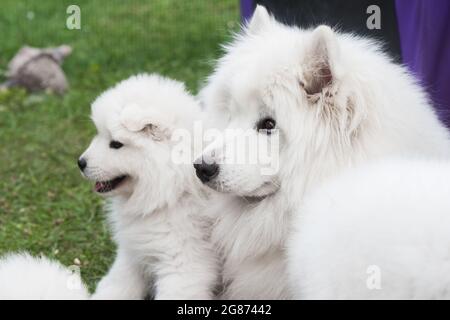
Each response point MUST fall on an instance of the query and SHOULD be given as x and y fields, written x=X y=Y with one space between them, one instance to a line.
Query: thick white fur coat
x=158 y=217
x=24 y=277
x=368 y=108
x=376 y=232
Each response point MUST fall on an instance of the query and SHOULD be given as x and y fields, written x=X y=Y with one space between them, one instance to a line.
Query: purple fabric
x=424 y=27
x=247 y=7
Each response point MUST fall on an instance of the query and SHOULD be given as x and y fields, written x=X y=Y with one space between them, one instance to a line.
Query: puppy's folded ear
x=138 y=119
x=260 y=19
x=321 y=60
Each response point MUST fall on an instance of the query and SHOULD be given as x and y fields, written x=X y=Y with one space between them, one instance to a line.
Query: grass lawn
x=45 y=205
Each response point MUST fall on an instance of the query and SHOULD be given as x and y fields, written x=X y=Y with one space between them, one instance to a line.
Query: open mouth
x=110 y=185
x=255 y=199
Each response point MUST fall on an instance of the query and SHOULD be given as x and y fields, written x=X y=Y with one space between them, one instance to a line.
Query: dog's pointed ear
x=259 y=20
x=138 y=119
x=320 y=62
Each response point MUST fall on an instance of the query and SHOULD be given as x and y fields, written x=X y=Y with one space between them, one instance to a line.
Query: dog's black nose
x=206 y=171
x=82 y=164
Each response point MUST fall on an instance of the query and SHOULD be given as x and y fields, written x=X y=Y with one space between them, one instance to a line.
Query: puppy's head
x=130 y=157
x=288 y=88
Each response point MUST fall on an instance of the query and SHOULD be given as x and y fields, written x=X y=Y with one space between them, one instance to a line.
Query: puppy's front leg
x=124 y=281
x=187 y=277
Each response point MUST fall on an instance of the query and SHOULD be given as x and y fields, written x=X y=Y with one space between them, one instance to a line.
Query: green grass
x=45 y=205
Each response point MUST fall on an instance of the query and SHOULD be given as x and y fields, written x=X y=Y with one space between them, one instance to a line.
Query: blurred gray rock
x=38 y=69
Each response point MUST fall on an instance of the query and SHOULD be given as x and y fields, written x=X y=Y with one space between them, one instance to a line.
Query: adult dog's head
x=130 y=157
x=301 y=91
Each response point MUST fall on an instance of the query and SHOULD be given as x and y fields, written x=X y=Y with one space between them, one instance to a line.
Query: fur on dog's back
x=379 y=231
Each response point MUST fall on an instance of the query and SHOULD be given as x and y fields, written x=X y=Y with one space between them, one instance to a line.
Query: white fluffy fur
x=371 y=108
x=23 y=277
x=394 y=216
x=156 y=214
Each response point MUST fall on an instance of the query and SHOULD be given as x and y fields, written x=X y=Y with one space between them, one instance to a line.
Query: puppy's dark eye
x=115 y=144
x=266 y=124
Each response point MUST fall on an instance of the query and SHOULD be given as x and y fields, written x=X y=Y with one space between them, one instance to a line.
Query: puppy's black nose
x=206 y=171
x=82 y=164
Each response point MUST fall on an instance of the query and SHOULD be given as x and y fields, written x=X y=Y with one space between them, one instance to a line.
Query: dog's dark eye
x=115 y=144
x=266 y=124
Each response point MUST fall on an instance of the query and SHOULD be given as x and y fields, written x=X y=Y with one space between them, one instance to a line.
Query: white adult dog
x=376 y=232
x=332 y=100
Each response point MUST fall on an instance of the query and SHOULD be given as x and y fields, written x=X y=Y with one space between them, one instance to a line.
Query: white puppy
x=23 y=277
x=156 y=205
x=331 y=101
x=376 y=232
